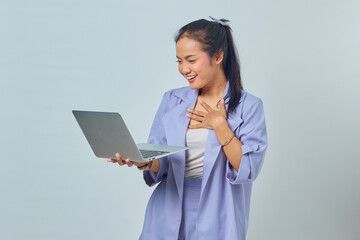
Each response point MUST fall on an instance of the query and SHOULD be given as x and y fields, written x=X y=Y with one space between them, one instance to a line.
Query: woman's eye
x=191 y=61
x=178 y=61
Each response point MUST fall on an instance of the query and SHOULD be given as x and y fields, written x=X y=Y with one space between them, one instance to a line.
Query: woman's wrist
x=146 y=166
x=224 y=133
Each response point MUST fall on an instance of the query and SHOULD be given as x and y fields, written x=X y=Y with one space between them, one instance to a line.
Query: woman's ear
x=219 y=56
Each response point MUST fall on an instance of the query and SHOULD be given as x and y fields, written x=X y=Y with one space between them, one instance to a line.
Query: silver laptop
x=107 y=134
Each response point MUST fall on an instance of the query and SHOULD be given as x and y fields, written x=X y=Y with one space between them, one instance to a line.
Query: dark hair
x=214 y=36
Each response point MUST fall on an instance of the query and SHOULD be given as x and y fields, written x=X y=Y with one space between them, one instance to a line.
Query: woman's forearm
x=233 y=149
x=155 y=165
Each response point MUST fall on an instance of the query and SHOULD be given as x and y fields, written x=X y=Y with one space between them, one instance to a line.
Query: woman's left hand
x=210 y=119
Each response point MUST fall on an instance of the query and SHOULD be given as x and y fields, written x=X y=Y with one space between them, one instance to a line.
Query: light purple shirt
x=224 y=204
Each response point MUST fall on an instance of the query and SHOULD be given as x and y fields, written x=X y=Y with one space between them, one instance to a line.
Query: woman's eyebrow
x=188 y=56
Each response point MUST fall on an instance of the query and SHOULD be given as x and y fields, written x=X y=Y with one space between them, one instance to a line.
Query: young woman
x=204 y=193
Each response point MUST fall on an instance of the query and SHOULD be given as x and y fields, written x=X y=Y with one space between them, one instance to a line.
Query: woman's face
x=195 y=64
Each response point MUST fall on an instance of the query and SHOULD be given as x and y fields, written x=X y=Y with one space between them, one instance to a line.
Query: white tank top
x=196 y=142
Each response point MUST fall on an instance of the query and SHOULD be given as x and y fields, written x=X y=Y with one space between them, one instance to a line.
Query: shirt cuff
x=243 y=175
x=151 y=178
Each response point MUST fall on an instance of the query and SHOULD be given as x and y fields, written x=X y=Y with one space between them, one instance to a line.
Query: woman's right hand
x=127 y=161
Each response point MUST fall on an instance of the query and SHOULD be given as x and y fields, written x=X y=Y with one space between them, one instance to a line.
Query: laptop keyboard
x=150 y=153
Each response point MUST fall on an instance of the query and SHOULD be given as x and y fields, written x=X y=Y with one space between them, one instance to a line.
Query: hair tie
x=219 y=21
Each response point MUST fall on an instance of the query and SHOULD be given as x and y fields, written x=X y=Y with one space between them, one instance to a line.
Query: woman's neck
x=215 y=90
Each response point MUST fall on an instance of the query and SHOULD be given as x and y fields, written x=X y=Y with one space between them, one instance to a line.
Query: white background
x=301 y=58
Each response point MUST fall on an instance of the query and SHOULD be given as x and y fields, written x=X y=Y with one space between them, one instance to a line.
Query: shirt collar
x=189 y=95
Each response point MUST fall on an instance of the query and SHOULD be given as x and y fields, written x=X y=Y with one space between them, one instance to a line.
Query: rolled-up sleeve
x=253 y=136
x=157 y=136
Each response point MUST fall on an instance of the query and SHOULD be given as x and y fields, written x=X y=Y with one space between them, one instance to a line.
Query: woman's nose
x=185 y=70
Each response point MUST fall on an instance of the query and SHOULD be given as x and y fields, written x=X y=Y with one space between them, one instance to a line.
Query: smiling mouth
x=191 y=79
